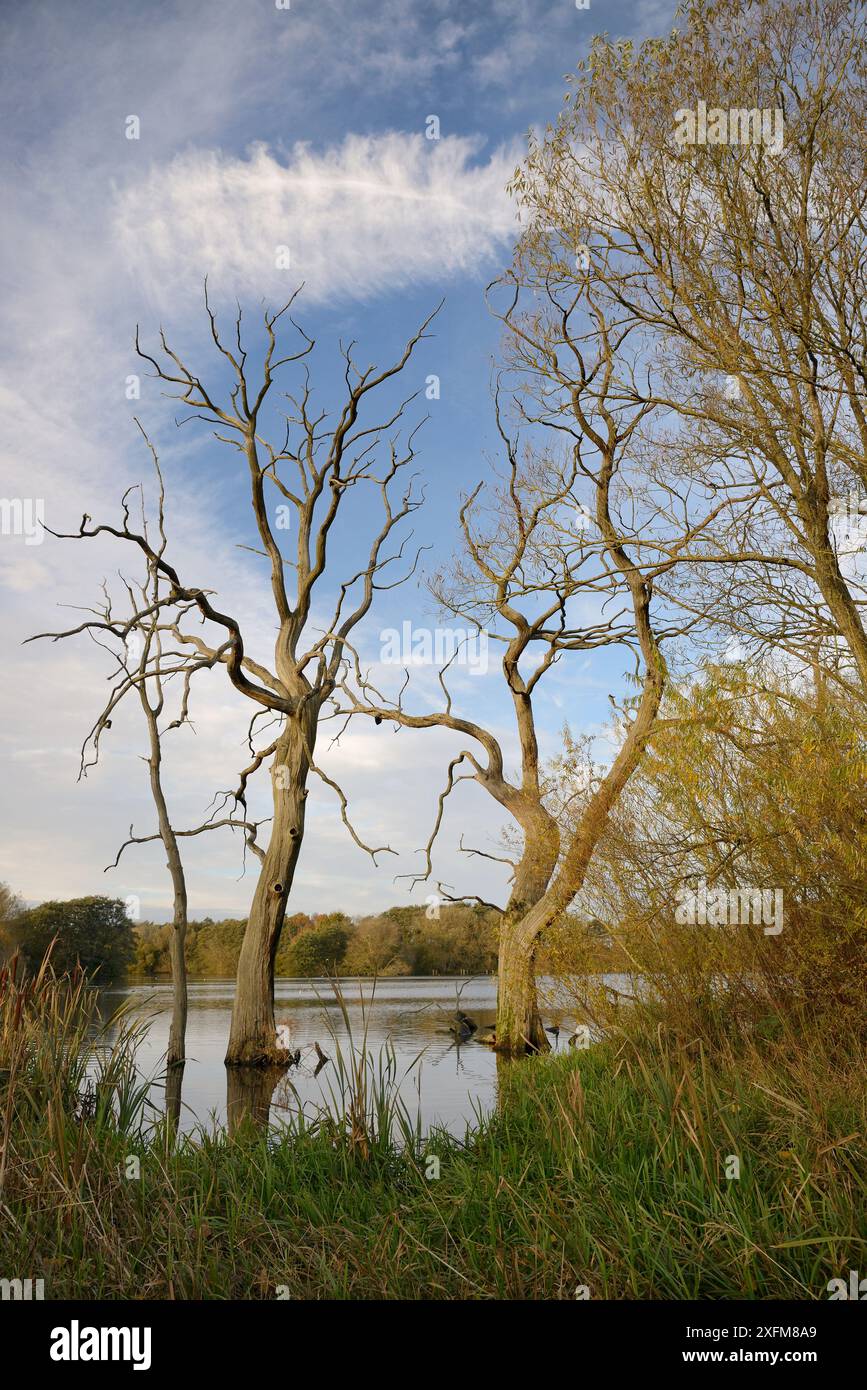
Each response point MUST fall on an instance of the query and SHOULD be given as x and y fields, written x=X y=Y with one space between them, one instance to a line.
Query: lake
x=450 y=1085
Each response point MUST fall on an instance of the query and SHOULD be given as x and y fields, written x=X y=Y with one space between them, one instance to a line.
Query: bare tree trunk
x=838 y=596
x=326 y=467
x=174 y=1087
x=253 y=1036
x=519 y=1023
x=178 y=1031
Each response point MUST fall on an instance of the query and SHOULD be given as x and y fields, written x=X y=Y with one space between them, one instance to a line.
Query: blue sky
x=259 y=126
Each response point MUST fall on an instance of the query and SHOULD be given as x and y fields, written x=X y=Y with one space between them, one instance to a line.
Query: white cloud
x=372 y=214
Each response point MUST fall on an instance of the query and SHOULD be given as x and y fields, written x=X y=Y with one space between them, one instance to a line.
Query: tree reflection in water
x=248 y=1094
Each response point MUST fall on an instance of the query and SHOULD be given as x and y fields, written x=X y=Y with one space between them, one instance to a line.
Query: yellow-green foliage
x=744 y=786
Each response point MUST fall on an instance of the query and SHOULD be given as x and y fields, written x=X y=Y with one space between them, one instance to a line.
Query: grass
x=603 y=1168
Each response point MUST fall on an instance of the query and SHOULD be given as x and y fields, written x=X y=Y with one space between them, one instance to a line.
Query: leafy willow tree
x=747 y=783
x=687 y=317
x=710 y=186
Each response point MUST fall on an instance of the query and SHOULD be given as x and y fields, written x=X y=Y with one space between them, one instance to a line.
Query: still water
x=448 y=1085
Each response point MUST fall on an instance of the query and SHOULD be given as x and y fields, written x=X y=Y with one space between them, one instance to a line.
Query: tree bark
x=838 y=596
x=519 y=1023
x=174 y=1088
x=253 y=1036
x=178 y=1030
x=519 y=1028
x=176 y=1054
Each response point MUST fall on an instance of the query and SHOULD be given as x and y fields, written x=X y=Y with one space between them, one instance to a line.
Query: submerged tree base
x=256 y=1055
x=522 y=1050
x=519 y=1028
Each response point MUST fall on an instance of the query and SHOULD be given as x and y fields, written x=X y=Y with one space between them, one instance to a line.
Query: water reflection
x=448 y=1080
x=248 y=1095
x=174 y=1091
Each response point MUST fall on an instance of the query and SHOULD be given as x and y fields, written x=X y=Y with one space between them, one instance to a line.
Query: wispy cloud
x=371 y=215
x=109 y=232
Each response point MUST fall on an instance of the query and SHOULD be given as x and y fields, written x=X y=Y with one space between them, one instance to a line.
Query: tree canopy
x=95 y=933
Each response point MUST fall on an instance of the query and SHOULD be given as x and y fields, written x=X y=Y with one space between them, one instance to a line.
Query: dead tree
x=571 y=527
x=144 y=665
x=313 y=473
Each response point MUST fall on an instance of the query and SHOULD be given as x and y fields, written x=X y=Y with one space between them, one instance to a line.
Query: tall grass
x=604 y=1168
x=364 y=1090
x=70 y=1092
x=62 y=1062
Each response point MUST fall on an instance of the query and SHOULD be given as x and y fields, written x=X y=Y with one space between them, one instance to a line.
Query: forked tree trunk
x=253 y=1036
x=518 y=1023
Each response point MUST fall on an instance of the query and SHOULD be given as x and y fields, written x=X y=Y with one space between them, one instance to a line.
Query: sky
x=271 y=146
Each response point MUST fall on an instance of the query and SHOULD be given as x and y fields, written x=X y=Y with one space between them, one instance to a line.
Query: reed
x=604 y=1168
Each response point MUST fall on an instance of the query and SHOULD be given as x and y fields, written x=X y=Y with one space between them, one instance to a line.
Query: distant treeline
x=455 y=939
x=460 y=940
x=94 y=933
